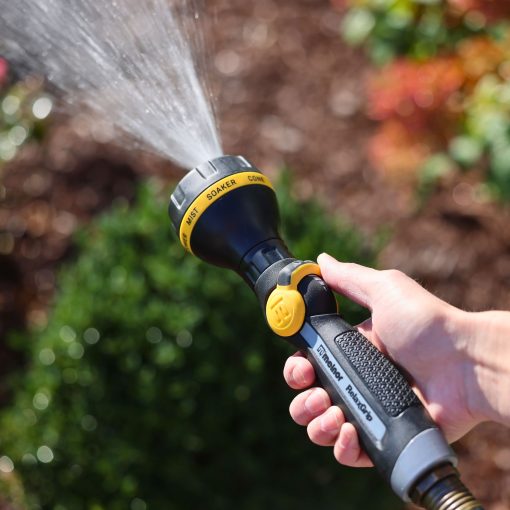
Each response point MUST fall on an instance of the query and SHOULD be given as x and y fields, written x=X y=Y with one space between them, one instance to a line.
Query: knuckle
x=393 y=275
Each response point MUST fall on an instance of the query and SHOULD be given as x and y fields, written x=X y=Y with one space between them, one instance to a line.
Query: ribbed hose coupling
x=442 y=489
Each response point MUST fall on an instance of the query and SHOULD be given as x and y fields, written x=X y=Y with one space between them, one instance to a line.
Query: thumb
x=355 y=282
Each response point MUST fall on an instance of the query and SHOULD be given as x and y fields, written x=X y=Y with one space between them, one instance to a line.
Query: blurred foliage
x=12 y=493
x=156 y=383
x=418 y=28
x=23 y=108
x=442 y=96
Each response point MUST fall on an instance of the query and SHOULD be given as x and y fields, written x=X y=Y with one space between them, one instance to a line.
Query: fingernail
x=316 y=402
x=298 y=376
x=329 y=421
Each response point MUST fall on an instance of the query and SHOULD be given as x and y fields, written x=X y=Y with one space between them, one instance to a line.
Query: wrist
x=482 y=339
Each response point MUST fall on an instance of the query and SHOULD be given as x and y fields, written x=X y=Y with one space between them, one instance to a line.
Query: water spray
x=225 y=212
x=137 y=66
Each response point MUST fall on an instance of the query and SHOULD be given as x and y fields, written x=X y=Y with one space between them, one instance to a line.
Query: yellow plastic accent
x=310 y=268
x=285 y=308
x=285 y=311
x=213 y=193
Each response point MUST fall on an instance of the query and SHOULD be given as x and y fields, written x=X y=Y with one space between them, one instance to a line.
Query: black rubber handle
x=371 y=391
x=394 y=428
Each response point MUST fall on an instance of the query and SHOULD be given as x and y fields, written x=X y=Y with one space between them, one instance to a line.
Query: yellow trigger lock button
x=285 y=308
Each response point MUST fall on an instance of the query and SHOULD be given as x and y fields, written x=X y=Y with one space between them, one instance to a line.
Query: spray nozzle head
x=223 y=209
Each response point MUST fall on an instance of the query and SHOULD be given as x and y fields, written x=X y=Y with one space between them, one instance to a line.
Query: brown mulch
x=290 y=92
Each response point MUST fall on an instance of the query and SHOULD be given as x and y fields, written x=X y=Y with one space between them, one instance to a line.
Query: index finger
x=298 y=372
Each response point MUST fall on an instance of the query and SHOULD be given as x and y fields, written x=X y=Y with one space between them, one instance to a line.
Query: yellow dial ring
x=213 y=193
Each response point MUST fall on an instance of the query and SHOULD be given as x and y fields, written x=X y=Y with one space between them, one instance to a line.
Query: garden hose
x=225 y=212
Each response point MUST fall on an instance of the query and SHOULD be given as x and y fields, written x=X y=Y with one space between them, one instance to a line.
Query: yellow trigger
x=285 y=308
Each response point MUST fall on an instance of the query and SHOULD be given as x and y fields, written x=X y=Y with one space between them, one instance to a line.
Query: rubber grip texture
x=385 y=382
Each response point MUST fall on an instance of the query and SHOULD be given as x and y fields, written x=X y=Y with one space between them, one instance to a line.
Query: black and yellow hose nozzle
x=225 y=212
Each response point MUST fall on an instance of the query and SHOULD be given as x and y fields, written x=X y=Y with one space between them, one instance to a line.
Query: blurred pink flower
x=4 y=69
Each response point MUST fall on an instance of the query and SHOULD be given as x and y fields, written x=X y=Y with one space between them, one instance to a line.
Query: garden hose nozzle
x=225 y=212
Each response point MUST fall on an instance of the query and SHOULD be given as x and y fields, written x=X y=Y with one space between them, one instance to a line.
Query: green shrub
x=157 y=385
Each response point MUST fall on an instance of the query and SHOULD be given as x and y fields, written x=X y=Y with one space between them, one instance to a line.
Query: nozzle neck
x=261 y=257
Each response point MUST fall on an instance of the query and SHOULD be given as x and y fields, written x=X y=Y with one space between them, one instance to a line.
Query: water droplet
x=91 y=336
x=138 y=504
x=76 y=350
x=17 y=135
x=7 y=149
x=41 y=401
x=10 y=105
x=184 y=339
x=228 y=62
x=28 y=459
x=154 y=335
x=45 y=454
x=88 y=423
x=6 y=464
x=67 y=334
x=42 y=108
x=47 y=357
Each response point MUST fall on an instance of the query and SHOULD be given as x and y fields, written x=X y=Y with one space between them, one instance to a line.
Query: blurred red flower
x=397 y=151
x=410 y=89
x=491 y=10
x=340 y=5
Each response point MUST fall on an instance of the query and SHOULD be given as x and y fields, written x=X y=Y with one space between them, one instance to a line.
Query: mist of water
x=136 y=64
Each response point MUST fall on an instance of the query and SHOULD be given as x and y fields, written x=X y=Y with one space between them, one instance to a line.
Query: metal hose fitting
x=442 y=489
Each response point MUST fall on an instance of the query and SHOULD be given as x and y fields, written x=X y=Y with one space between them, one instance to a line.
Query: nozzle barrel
x=225 y=212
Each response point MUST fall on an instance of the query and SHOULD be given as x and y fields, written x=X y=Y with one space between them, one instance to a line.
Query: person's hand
x=431 y=340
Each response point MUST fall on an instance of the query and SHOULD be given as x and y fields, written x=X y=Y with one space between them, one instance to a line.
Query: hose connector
x=442 y=489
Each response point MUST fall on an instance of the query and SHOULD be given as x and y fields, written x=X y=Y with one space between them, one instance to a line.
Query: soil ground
x=290 y=93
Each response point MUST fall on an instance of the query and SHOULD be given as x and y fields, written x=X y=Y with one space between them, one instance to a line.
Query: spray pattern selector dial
x=285 y=307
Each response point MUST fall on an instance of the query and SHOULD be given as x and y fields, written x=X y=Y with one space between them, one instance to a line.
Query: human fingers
x=347 y=449
x=366 y=328
x=351 y=280
x=324 y=429
x=298 y=372
x=308 y=405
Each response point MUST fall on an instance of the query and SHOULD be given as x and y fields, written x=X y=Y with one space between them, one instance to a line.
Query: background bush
x=440 y=92
x=157 y=385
